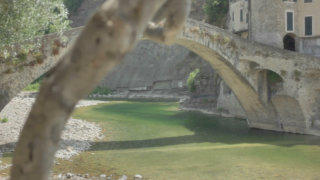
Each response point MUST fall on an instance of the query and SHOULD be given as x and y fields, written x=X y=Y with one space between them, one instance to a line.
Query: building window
x=308 y=25
x=289 y=21
x=232 y=16
x=247 y=18
x=307 y=1
x=241 y=15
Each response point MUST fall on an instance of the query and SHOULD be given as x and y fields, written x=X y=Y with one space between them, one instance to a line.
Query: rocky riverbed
x=76 y=137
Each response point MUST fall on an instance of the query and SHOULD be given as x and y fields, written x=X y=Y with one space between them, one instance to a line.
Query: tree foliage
x=216 y=11
x=23 y=20
x=72 y=5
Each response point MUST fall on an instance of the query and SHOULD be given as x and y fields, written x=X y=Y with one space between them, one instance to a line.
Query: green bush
x=4 y=120
x=72 y=5
x=217 y=11
x=23 y=20
x=191 y=80
x=101 y=91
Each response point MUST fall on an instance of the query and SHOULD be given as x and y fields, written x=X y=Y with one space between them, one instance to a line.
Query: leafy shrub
x=216 y=11
x=72 y=5
x=4 y=120
x=101 y=91
x=191 y=80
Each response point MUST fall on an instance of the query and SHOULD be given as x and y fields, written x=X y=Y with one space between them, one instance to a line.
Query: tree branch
x=109 y=35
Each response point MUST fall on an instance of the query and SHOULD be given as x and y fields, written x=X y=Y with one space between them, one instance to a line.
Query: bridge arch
x=221 y=51
x=269 y=83
x=259 y=114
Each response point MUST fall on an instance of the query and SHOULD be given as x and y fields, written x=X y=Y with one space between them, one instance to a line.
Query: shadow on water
x=205 y=128
x=213 y=129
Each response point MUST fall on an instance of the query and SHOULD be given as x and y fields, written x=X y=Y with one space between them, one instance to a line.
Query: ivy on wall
x=191 y=80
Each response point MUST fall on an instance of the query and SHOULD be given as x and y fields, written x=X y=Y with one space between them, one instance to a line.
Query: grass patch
x=6 y=159
x=35 y=85
x=158 y=141
x=32 y=87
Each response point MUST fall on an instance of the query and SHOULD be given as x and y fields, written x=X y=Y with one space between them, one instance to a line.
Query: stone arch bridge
x=293 y=106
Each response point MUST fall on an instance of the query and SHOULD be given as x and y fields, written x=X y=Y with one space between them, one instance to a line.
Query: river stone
x=103 y=176
x=137 y=177
x=123 y=177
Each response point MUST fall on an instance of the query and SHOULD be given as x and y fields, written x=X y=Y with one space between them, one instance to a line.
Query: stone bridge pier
x=279 y=90
x=293 y=95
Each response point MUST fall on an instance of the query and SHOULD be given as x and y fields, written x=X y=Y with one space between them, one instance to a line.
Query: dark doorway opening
x=289 y=43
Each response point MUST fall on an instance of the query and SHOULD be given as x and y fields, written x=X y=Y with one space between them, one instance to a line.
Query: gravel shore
x=75 y=138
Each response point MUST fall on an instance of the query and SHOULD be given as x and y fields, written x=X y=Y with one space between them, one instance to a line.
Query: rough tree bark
x=108 y=36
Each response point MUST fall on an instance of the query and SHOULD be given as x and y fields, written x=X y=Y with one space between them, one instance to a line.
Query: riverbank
x=157 y=140
x=77 y=136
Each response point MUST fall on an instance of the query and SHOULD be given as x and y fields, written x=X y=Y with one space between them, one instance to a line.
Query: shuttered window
x=308 y=25
x=289 y=21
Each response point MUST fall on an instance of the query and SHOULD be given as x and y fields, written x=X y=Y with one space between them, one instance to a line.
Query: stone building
x=239 y=17
x=288 y=24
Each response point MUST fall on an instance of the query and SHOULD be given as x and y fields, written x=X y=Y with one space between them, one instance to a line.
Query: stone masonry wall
x=160 y=72
x=156 y=71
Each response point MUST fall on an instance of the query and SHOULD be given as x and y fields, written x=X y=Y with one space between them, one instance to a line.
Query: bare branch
x=169 y=21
